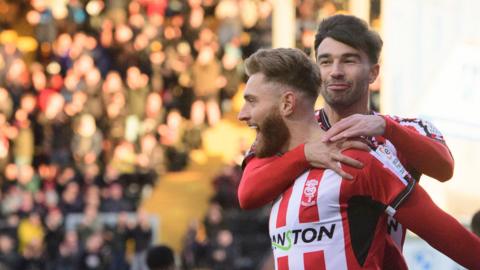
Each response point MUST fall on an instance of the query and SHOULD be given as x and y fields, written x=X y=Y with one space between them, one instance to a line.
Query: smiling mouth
x=338 y=86
x=254 y=126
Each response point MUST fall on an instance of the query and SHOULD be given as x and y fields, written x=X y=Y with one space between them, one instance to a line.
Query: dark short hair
x=352 y=31
x=160 y=257
x=287 y=66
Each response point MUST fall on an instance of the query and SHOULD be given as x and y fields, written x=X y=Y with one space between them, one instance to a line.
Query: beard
x=345 y=99
x=272 y=136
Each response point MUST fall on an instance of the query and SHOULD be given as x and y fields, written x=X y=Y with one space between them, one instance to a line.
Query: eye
x=250 y=99
x=324 y=62
x=350 y=60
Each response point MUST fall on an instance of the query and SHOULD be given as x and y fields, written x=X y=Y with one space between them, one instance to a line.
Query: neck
x=335 y=114
x=301 y=130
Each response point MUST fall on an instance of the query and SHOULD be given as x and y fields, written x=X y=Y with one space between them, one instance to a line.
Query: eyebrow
x=323 y=55
x=345 y=55
x=248 y=96
x=356 y=55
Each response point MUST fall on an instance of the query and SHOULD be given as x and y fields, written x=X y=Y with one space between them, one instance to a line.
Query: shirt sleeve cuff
x=390 y=126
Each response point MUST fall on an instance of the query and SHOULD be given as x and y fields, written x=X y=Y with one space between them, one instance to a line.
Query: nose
x=337 y=71
x=244 y=114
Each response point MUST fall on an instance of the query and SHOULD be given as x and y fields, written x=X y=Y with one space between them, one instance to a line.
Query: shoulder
x=368 y=159
x=359 y=155
x=380 y=160
x=249 y=155
x=364 y=157
x=421 y=126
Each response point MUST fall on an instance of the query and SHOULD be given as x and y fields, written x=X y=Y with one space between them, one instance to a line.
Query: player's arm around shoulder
x=389 y=183
x=419 y=214
x=421 y=145
x=264 y=179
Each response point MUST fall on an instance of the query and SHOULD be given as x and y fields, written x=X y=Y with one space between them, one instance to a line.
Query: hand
x=327 y=154
x=355 y=126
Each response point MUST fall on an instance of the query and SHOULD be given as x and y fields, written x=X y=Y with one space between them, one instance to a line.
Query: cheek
x=363 y=74
x=356 y=75
x=259 y=112
x=256 y=115
x=324 y=73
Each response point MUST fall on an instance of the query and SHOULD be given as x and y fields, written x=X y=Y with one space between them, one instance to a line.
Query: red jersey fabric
x=264 y=179
x=324 y=222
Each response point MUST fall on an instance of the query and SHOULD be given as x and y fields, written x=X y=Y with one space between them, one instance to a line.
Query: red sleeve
x=264 y=179
x=420 y=215
x=424 y=153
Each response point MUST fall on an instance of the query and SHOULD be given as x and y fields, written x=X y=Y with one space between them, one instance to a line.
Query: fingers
x=342 y=129
x=338 y=169
x=343 y=135
x=355 y=126
x=334 y=131
x=349 y=161
x=334 y=165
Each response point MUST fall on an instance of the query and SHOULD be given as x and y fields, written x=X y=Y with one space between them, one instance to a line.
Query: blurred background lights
x=94 y=7
x=53 y=68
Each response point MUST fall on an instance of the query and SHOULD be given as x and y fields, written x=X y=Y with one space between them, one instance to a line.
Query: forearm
x=265 y=179
x=425 y=155
x=420 y=215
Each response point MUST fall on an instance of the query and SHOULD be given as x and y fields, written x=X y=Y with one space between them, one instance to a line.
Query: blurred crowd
x=99 y=99
x=228 y=237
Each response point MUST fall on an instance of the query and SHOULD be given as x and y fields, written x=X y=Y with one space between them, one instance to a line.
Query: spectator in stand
x=69 y=253
x=9 y=258
x=232 y=69
x=72 y=76
x=207 y=81
x=92 y=195
x=6 y=133
x=32 y=256
x=30 y=232
x=96 y=255
x=137 y=92
x=89 y=225
x=150 y=161
x=6 y=103
x=226 y=185
x=171 y=135
x=71 y=200
x=213 y=221
x=160 y=258
x=116 y=237
x=115 y=202
x=222 y=250
x=86 y=144
x=93 y=89
x=142 y=235
x=56 y=127
x=195 y=247
x=54 y=234
x=23 y=149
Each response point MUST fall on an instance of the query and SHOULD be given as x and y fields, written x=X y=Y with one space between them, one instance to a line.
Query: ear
x=287 y=103
x=373 y=74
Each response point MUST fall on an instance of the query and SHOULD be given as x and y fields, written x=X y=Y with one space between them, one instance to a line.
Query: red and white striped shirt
x=324 y=222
